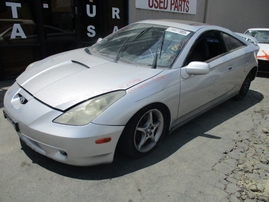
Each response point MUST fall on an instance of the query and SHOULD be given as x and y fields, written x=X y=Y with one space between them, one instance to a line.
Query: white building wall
x=236 y=15
x=141 y=14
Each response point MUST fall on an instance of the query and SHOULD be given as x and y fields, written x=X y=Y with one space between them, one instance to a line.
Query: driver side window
x=208 y=46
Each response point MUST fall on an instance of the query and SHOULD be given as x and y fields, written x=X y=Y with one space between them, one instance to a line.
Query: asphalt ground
x=207 y=160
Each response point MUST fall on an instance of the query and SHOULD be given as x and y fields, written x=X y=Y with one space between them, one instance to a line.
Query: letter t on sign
x=14 y=7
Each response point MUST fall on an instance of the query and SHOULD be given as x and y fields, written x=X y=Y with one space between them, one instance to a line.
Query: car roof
x=188 y=25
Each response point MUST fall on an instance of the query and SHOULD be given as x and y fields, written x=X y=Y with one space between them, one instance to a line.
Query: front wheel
x=143 y=132
x=244 y=88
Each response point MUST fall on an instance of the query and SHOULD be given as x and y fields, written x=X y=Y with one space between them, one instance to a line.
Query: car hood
x=263 y=53
x=66 y=79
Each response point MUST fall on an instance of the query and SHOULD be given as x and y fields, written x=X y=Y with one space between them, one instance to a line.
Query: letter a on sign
x=17 y=31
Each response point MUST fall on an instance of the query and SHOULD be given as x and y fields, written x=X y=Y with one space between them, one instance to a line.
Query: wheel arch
x=246 y=84
x=253 y=72
x=123 y=139
x=156 y=104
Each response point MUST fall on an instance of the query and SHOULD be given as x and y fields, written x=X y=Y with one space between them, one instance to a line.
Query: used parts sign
x=179 y=6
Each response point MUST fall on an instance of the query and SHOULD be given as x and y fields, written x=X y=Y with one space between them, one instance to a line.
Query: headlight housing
x=85 y=112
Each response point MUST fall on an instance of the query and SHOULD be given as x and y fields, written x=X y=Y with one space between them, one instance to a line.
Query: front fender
x=163 y=88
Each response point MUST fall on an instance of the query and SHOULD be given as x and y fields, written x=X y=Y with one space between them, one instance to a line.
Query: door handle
x=230 y=68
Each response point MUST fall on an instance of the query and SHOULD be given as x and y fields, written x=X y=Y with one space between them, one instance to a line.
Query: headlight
x=85 y=112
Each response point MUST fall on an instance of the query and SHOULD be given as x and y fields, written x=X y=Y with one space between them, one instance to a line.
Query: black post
x=40 y=27
x=205 y=13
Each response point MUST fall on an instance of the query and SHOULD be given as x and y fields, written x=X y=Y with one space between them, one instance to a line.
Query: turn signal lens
x=103 y=140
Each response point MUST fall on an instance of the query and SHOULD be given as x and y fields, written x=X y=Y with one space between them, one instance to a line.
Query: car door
x=199 y=92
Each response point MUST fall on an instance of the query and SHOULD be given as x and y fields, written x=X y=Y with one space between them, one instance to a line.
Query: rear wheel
x=244 y=88
x=143 y=132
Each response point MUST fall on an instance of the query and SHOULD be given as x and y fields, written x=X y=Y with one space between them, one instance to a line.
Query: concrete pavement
x=223 y=155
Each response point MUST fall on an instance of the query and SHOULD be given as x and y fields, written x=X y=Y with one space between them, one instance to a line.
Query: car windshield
x=143 y=44
x=261 y=35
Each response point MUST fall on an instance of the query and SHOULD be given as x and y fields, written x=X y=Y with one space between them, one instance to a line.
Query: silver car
x=128 y=90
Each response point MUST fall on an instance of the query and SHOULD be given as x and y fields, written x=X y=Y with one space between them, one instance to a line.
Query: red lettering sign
x=158 y=4
x=177 y=6
x=180 y=5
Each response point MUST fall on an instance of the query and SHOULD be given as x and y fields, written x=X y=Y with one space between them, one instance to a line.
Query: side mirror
x=195 y=68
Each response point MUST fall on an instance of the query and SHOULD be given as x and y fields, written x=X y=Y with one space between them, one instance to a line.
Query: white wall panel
x=236 y=15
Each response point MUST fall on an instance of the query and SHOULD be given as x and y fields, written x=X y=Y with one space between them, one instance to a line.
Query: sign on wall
x=178 y=6
x=17 y=30
x=100 y=18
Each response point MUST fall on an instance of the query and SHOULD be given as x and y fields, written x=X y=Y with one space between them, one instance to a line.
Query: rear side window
x=231 y=42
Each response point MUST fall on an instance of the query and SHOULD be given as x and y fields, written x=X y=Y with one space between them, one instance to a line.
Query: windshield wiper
x=154 y=65
x=87 y=51
x=123 y=45
x=143 y=32
x=121 y=48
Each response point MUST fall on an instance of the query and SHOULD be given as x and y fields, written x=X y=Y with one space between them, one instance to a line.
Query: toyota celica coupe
x=128 y=90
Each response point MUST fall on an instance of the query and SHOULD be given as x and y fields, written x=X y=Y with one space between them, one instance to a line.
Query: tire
x=244 y=88
x=143 y=133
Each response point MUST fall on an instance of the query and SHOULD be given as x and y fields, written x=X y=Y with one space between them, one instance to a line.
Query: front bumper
x=74 y=145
